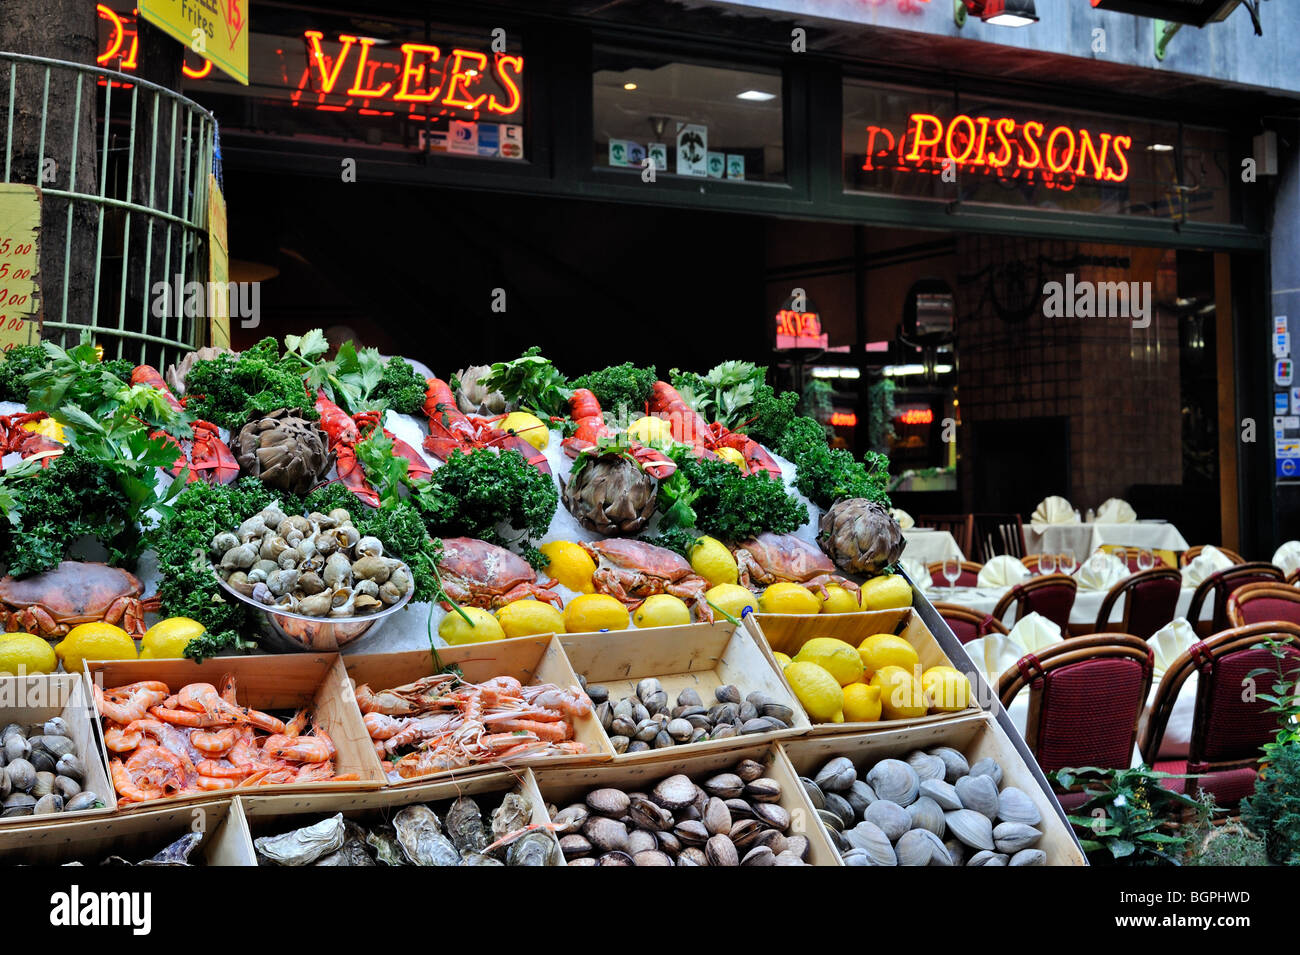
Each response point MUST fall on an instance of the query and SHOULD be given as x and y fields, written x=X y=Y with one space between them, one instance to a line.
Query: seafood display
x=729 y=819
x=318 y=566
x=631 y=571
x=440 y=723
x=931 y=808
x=42 y=772
x=463 y=834
x=52 y=603
x=646 y=721
x=201 y=740
x=178 y=853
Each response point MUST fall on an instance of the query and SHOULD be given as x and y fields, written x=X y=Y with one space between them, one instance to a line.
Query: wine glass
x=951 y=571
x=1068 y=563
x=1047 y=563
x=1120 y=554
x=1146 y=559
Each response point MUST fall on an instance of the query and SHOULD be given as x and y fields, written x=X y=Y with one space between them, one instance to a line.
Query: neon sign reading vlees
x=1000 y=146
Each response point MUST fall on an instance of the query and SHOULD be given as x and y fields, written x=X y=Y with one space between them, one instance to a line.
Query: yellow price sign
x=216 y=29
x=20 y=291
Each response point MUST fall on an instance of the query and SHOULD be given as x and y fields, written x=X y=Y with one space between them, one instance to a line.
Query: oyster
x=465 y=825
x=353 y=851
x=894 y=780
x=387 y=849
x=303 y=846
x=477 y=858
x=512 y=815
x=419 y=835
x=532 y=848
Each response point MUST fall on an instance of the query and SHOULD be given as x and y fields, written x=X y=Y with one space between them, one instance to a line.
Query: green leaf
x=1121 y=848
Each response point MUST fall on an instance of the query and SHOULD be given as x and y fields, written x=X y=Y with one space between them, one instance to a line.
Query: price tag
x=20 y=292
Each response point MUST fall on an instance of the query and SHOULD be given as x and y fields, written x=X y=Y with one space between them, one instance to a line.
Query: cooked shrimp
x=124 y=704
x=128 y=788
x=118 y=740
x=304 y=749
x=157 y=767
x=204 y=698
x=550 y=732
x=215 y=742
x=210 y=783
x=382 y=726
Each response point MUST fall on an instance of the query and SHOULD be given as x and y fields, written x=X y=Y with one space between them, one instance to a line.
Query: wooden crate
x=786 y=633
x=272 y=815
x=563 y=787
x=974 y=736
x=282 y=684
x=135 y=836
x=37 y=698
x=702 y=656
x=535 y=659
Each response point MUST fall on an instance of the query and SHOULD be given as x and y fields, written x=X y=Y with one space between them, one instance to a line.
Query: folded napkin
x=1116 y=511
x=1101 y=571
x=1169 y=642
x=918 y=574
x=997 y=652
x=1052 y=510
x=1210 y=560
x=904 y=519
x=1288 y=557
x=1002 y=571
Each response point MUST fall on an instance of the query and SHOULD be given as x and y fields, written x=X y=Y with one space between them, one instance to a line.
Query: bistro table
x=1084 y=540
x=929 y=545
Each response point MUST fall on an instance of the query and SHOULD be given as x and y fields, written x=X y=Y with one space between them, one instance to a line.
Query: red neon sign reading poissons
x=1000 y=146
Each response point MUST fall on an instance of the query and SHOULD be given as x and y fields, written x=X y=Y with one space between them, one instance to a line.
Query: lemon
x=662 y=610
x=168 y=638
x=94 y=641
x=782 y=659
x=529 y=427
x=523 y=618
x=712 y=561
x=838 y=600
x=483 y=627
x=22 y=653
x=594 y=612
x=650 y=430
x=570 y=565
x=730 y=599
x=861 y=703
x=732 y=455
x=946 y=689
x=836 y=657
x=49 y=428
x=788 y=597
x=886 y=593
x=819 y=693
x=885 y=649
x=901 y=696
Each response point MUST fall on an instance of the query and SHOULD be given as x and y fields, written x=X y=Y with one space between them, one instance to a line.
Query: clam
x=1011 y=837
x=649 y=816
x=668 y=842
x=691 y=832
x=759 y=855
x=988 y=766
x=574 y=845
x=798 y=845
x=722 y=731
x=608 y=802
x=892 y=819
x=680 y=730
x=926 y=814
x=44 y=785
x=18 y=804
x=651 y=857
x=837 y=775
x=926 y=766
x=717 y=817
x=971 y=827
x=1029 y=857
x=979 y=793
x=369 y=547
x=955 y=764
x=1015 y=806
x=369 y=568
x=956 y=851
x=620 y=743
x=607 y=835
x=692 y=856
x=689 y=697
x=869 y=837
x=856 y=857
x=814 y=792
x=65 y=787
x=42 y=761
x=638 y=840
x=17 y=747
x=765 y=789
x=22 y=775
x=675 y=792
x=48 y=804
x=11 y=729
x=720 y=851
x=841 y=808
x=724 y=785
x=945 y=794
x=572 y=817
x=860 y=796
x=773 y=814
x=988 y=857
x=920 y=847
x=894 y=780
x=727 y=693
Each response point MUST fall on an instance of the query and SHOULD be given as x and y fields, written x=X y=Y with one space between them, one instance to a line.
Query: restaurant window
x=980 y=150
x=689 y=120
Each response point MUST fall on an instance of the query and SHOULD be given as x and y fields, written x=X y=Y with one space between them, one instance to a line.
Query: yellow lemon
x=732 y=455
x=885 y=649
x=570 y=565
x=838 y=600
x=22 y=653
x=782 y=659
x=529 y=427
x=594 y=612
x=49 y=428
x=788 y=597
x=712 y=561
x=819 y=693
x=650 y=430
x=946 y=689
x=886 y=593
x=523 y=618
x=662 y=610
x=168 y=638
x=730 y=599
x=901 y=696
x=861 y=703
x=483 y=626
x=836 y=657
x=94 y=641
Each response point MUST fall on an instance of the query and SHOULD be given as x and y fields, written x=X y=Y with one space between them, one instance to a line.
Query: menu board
x=20 y=226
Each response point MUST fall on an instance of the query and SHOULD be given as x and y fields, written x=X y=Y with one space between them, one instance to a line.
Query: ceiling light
x=756 y=96
x=1004 y=13
x=835 y=371
x=1160 y=148
x=629 y=86
x=901 y=371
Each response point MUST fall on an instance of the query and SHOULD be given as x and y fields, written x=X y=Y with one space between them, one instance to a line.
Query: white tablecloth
x=1085 y=539
x=928 y=545
x=1087 y=603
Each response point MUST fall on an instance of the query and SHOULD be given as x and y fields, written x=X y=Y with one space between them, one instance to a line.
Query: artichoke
x=861 y=536
x=473 y=398
x=286 y=451
x=610 y=495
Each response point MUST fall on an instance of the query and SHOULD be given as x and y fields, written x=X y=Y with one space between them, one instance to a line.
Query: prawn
x=549 y=732
x=125 y=704
x=204 y=698
x=381 y=726
x=118 y=739
x=215 y=743
x=158 y=767
x=128 y=788
x=304 y=749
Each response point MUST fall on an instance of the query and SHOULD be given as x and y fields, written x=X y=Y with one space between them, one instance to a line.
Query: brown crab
x=772 y=558
x=480 y=574
x=632 y=570
x=52 y=603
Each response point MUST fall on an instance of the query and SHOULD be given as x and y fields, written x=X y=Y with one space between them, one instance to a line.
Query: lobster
x=689 y=427
x=18 y=436
x=452 y=430
x=343 y=431
x=206 y=455
x=584 y=408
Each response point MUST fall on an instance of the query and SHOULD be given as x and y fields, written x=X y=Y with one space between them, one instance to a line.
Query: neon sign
x=915 y=416
x=122 y=41
x=1002 y=147
x=844 y=419
x=796 y=329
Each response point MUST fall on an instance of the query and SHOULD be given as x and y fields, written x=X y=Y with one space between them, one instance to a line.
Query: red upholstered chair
x=1192 y=553
x=1219 y=585
x=1259 y=603
x=967 y=624
x=1150 y=602
x=1051 y=595
x=970 y=573
x=958 y=525
x=1227 y=731
x=1086 y=696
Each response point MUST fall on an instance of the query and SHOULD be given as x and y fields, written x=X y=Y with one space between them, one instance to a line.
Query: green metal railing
x=154 y=153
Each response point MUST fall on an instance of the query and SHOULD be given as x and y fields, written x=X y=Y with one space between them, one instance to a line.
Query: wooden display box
x=787 y=633
x=135 y=836
x=34 y=699
x=279 y=684
x=974 y=736
x=273 y=815
x=702 y=656
x=563 y=787
x=531 y=660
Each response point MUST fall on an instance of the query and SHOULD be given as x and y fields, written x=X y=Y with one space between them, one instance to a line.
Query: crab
x=480 y=574
x=52 y=603
x=772 y=558
x=631 y=570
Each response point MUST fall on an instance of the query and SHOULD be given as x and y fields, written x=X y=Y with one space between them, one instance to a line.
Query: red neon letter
x=457 y=75
x=984 y=135
x=356 y=90
x=917 y=141
x=115 y=37
x=1033 y=144
x=1051 y=149
x=1120 y=176
x=1086 y=148
x=871 y=146
x=970 y=139
x=198 y=74
x=411 y=72
x=1001 y=128
x=317 y=57
x=516 y=63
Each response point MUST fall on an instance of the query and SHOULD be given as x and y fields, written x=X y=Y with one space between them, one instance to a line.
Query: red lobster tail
x=342 y=434
x=687 y=425
x=14 y=438
x=148 y=375
x=757 y=460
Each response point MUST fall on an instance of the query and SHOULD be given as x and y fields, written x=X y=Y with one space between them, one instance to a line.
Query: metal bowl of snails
x=316 y=581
